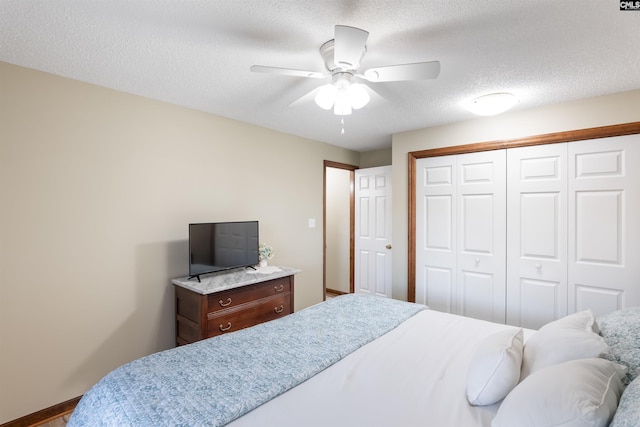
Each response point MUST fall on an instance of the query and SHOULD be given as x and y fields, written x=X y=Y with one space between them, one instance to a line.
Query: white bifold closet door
x=461 y=215
x=573 y=229
x=528 y=235
x=536 y=234
x=604 y=224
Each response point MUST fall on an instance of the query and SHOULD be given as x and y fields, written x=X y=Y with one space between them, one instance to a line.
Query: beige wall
x=97 y=189
x=592 y=112
x=338 y=237
x=375 y=158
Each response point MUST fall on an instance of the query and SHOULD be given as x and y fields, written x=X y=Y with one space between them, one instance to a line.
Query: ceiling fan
x=342 y=56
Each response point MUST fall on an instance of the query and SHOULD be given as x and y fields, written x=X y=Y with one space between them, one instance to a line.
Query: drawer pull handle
x=223 y=329
x=224 y=304
x=279 y=288
x=279 y=309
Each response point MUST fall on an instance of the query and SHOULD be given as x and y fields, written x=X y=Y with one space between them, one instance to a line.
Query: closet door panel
x=481 y=193
x=598 y=226
x=537 y=234
x=600 y=300
x=478 y=293
x=436 y=290
x=604 y=226
x=540 y=219
x=436 y=233
x=540 y=301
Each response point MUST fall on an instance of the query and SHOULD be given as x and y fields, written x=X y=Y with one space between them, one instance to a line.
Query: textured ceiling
x=197 y=53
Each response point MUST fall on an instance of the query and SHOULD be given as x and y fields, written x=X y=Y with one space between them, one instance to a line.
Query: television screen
x=218 y=246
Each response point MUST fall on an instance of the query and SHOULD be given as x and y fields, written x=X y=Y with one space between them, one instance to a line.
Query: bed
x=366 y=360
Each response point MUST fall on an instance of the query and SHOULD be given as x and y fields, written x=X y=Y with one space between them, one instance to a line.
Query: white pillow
x=495 y=367
x=582 y=392
x=569 y=338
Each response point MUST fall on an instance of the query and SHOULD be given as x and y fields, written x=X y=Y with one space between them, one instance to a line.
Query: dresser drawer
x=234 y=297
x=201 y=315
x=249 y=314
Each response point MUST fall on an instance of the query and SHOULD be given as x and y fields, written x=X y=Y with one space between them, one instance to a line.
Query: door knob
x=388 y=246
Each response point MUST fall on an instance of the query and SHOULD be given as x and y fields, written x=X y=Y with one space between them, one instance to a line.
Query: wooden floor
x=57 y=422
x=330 y=294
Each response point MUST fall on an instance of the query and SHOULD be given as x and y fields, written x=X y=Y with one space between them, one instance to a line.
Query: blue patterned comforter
x=215 y=381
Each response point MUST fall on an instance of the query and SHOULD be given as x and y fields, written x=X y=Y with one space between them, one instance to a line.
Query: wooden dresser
x=228 y=302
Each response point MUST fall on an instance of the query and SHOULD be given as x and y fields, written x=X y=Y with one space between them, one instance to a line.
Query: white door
x=481 y=234
x=436 y=242
x=604 y=225
x=537 y=234
x=461 y=234
x=373 y=248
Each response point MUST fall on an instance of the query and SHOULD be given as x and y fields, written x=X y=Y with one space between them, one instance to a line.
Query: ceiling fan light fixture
x=342 y=106
x=342 y=95
x=342 y=57
x=326 y=96
x=492 y=104
x=358 y=96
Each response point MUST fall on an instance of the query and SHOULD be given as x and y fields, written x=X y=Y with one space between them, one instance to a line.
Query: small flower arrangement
x=265 y=252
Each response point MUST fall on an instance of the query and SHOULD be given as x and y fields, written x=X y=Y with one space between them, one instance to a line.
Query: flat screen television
x=219 y=246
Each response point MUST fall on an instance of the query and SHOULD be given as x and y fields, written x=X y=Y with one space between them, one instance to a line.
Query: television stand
x=227 y=302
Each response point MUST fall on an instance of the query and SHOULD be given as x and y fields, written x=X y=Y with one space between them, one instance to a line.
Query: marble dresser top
x=222 y=281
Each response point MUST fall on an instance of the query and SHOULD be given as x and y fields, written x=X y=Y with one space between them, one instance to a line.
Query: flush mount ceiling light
x=492 y=104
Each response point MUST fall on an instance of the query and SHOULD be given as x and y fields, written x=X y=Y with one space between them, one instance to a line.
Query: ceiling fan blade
x=305 y=99
x=396 y=73
x=286 y=71
x=376 y=99
x=349 y=46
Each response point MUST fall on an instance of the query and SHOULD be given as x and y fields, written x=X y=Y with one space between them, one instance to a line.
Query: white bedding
x=414 y=375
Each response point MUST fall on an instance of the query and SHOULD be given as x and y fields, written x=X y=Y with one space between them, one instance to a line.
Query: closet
x=526 y=235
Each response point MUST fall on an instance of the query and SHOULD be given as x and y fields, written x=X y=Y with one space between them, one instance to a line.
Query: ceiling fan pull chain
x=342 y=123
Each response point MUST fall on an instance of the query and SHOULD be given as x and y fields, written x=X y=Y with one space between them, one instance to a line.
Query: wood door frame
x=549 y=138
x=351 y=169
